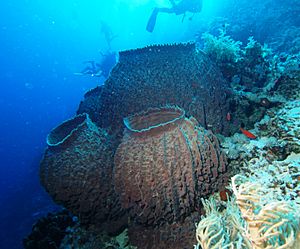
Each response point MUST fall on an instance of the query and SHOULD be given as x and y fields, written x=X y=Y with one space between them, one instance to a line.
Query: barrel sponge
x=76 y=169
x=157 y=75
x=164 y=164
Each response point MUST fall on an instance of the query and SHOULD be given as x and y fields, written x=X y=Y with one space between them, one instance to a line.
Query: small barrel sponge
x=164 y=164
x=65 y=132
x=77 y=167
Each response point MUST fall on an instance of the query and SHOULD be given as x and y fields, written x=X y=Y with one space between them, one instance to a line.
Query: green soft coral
x=222 y=48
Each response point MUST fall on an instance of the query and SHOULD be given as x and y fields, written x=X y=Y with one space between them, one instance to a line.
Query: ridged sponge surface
x=165 y=164
x=76 y=169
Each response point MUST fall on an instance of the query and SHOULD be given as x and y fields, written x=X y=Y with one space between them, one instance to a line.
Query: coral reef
x=164 y=164
x=62 y=230
x=159 y=75
x=49 y=231
x=259 y=79
x=76 y=170
x=273 y=22
x=225 y=51
x=78 y=237
x=272 y=160
x=222 y=48
x=248 y=65
x=279 y=136
x=266 y=188
x=149 y=171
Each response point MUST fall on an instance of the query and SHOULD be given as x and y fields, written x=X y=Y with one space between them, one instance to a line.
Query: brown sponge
x=165 y=164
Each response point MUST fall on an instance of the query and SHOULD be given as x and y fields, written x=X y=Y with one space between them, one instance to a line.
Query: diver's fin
x=173 y=3
x=152 y=21
x=183 y=17
x=99 y=73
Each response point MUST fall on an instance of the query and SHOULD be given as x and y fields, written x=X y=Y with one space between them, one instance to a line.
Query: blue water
x=42 y=44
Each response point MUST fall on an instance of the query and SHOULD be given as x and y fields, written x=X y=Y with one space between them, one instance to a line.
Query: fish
x=228 y=116
x=225 y=194
x=247 y=133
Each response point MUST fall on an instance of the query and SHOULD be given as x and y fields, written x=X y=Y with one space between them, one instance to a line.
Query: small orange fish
x=247 y=133
x=225 y=194
x=228 y=116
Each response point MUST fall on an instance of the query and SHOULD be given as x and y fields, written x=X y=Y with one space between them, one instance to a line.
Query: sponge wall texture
x=165 y=164
x=76 y=169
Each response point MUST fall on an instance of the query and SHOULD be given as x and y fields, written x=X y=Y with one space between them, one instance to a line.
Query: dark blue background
x=38 y=91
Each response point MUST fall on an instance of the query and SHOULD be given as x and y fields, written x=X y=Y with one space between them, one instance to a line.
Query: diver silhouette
x=101 y=69
x=108 y=59
x=108 y=34
x=193 y=6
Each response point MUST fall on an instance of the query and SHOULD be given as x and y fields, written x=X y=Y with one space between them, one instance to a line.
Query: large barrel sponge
x=165 y=164
x=155 y=76
x=77 y=168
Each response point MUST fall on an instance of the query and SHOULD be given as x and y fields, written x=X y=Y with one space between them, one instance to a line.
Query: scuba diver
x=107 y=32
x=101 y=69
x=90 y=68
x=108 y=60
x=193 y=6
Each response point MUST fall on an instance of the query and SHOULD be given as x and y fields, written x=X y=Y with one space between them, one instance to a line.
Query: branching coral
x=248 y=65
